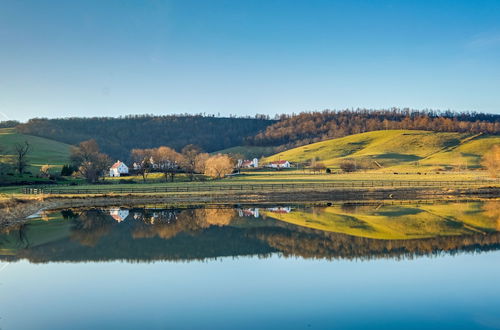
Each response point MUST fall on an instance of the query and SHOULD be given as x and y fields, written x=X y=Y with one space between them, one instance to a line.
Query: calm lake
x=381 y=265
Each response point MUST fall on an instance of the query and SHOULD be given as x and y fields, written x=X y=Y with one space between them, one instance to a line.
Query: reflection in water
x=348 y=230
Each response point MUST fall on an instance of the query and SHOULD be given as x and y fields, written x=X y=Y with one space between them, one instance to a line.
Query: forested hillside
x=309 y=127
x=117 y=136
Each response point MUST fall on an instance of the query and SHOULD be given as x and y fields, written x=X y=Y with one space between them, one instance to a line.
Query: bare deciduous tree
x=143 y=161
x=45 y=171
x=491 y=161
x=318 y=167
x=200 y=162
x=219 y=166
x=21 y=150
x=91 y=163
x=189 y=153
x=169 y=161
x=348 y=165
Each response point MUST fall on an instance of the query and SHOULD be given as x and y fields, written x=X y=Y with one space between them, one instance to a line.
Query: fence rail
x=265 y=187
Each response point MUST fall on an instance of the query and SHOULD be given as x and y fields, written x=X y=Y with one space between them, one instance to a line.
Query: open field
x=397 y=150
x=43 y=151
x=290 y=180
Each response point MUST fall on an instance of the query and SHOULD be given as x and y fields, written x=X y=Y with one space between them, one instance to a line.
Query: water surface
x=347 y=265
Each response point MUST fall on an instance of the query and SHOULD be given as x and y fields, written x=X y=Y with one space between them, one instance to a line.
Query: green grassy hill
x=248 y=152
x=43 y=151
x=397 y=149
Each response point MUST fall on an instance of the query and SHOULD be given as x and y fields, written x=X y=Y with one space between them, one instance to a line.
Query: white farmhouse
x=254 y=163
x=118 y=169
x=279 y=164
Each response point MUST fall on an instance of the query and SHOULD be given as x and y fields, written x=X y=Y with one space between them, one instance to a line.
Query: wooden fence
x=269 y=187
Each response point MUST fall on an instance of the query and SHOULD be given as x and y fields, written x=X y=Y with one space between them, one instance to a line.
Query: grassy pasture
x=43 y=151
x=397 y=150
x=292 y=176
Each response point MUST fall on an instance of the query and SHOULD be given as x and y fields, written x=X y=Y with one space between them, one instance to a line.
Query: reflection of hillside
x=397 y=221
x=200 y=233
x=312 y=243
x=492 y=211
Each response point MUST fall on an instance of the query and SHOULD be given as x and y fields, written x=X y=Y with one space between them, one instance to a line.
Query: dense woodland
x=9 y=124
x=309 y=127
x=118 y=136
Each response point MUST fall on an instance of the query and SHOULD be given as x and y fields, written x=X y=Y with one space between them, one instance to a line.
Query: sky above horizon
x=112 y=58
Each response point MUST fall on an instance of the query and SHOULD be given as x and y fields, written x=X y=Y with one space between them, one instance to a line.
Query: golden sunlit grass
x=397 y=150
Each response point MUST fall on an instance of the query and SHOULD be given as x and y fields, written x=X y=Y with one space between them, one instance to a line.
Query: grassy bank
x=15 y=208
x=258 y=179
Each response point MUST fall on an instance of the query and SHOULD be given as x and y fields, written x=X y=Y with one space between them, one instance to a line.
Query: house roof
x=280 y=162
x=117 y=164
x=247 y=162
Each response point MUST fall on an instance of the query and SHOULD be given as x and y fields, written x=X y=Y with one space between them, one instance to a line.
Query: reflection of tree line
x=289 y=239
x=147 y=235
x=191 y=220
x=155 y=234
x=317 y=244
x=90 y=226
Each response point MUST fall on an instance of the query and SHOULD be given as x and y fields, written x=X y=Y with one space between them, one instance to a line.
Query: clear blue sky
x=92 y=58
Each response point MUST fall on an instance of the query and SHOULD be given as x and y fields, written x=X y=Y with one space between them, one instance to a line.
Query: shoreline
x=16 y=210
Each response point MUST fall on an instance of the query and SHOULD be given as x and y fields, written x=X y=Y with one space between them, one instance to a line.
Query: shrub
x=348 y=165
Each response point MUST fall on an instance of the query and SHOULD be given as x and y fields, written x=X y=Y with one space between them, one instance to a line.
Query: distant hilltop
x=261 y=134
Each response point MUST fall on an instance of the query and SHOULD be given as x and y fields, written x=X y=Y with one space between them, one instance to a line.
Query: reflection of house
x=118 y=214
x=279 y=164
x=254 y=163
x=280 y=209
x=249 y=212
x=118 y=169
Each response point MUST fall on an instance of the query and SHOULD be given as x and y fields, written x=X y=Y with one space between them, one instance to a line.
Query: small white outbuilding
x=254 y=163
x=118 y=169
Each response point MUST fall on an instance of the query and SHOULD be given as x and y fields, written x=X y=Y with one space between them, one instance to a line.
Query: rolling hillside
x=397 y=149
x=43 y=151
x=248 y=152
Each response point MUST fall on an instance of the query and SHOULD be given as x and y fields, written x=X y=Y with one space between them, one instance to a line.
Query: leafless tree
x=219 y=166
x=348 y=165
x=143 y=161
x=491 y=161
x=21 y=151
x=91 y=163
x=200 y=162
x=189 y=153
x=169 y=162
